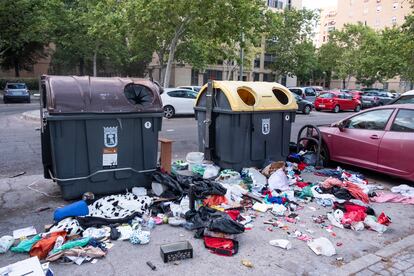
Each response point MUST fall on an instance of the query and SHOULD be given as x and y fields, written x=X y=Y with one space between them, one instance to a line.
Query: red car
x=336 y=101
x=380 y=139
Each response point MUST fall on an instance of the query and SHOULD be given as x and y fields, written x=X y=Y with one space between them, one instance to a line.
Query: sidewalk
x=394 y=259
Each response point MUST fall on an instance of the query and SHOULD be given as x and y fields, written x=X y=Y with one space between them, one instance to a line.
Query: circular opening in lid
x=246 y=96
x=280 y=96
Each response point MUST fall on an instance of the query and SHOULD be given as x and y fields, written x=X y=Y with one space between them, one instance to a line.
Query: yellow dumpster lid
x=254 y=96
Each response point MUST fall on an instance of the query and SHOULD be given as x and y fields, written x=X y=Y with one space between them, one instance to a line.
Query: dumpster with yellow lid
x=250 y=123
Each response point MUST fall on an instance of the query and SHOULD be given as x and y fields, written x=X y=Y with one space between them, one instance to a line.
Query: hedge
x=32 y=83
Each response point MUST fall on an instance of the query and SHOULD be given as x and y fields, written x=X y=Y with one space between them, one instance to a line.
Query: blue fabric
x=79 y=208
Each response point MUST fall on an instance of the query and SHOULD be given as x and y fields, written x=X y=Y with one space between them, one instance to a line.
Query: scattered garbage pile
x=217 y=205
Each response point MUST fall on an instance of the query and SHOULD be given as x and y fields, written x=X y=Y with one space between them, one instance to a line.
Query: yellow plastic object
x=254 y=96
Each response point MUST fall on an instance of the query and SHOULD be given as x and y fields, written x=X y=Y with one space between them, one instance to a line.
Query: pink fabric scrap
x=391 y=197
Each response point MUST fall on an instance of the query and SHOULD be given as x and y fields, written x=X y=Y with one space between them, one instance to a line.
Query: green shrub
x=32 y=83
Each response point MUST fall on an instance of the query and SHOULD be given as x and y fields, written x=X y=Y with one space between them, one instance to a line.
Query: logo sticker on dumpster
x=147 y=124
x=266 y=126
x=110 y=137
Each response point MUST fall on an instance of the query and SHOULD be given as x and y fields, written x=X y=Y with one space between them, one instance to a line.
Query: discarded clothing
x=78 y=208
x=404 y=190
x=215 y=200
x=25 y=245
x=119 y=206
x=273 y=167
x=175 y=185
x=70 y=225
x=278 y=181
x=71 y=244
x=43 y=246
x=390 y=197
x=88 y=251
x=221 y=246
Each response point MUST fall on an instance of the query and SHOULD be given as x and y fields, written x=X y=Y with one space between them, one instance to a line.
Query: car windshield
x=16 y=86
x=197 y=89
x=326 y=96
x=405 y=100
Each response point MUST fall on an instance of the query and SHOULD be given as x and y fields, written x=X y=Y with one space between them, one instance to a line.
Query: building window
x=268 y=60
x=379 y=8
x=256 y=76
x=275 y=4
x=194 y=77
x=268 y=77
x=395 y=6
x=257 y=62
x=394 y=20
x=213 y=75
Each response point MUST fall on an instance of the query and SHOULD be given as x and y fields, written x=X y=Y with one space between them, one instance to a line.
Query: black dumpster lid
x=73 y=94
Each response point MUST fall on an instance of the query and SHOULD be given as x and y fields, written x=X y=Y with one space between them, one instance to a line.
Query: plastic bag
x=211 y=171
x=5 y=243
x=278 y=181
x=384 y=219
x=322 y=246
x=285 y=244
x=372 y=223
x=336 y=218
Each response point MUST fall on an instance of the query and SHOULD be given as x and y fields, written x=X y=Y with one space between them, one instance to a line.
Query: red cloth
x=221 y=246
x=301 y=184
x=356 y=192
x=302 y=166
x=42 y=247
x=234 y=214
x=350 y=207
x=354 y=216
x=267 y=192
x=215 y=200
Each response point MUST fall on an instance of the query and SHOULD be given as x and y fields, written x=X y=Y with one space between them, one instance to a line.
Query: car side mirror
x=341 y=126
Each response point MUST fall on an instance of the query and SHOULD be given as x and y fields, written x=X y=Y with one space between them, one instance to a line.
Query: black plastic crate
x=176 y=251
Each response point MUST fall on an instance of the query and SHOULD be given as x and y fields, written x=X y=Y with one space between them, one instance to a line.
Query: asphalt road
x=20 y=149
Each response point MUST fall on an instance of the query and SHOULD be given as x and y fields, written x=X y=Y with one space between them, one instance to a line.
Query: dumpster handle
x=97 y=172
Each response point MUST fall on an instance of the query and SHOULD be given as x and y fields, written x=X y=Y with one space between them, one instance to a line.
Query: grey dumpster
x=250 y=123
x=99 y=135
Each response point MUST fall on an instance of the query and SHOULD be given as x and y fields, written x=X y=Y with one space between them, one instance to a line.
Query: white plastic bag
x=211 y=171
x=285 y=244
x=372 y=223
x=322 y=246
x=5 y=243
x=279 y=181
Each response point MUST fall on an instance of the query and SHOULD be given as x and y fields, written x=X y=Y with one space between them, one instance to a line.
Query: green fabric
x=198 y=169
x=71 y=244
x=306 y=192
x=26 y=245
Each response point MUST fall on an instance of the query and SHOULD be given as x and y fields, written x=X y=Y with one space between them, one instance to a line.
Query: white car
x=194 y=88
x=407 y=97
x=178 y=101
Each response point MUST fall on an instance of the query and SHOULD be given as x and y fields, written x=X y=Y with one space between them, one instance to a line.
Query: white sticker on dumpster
x=266 y=126
x=110 y=158
x=110 y=137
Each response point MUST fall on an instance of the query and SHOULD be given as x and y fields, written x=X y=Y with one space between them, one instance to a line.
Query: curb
x=31 y=115
x=370 y=259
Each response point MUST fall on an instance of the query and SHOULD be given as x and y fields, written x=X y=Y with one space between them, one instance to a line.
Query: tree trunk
x=94 y=64
x=81 y=66
x=343 y=83
x=347 y=84
x=173 y=47
x=16 y=67
x=171 y=54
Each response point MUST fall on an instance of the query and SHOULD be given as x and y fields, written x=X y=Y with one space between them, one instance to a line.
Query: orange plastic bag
x=42 y=247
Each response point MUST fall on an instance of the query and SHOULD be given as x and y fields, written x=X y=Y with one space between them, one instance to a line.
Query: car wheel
x=325 y=158
x=169 y=111
x=307 y=109
x=5 y=101
x=381 y=104
x=336 y=109
x=358 y=108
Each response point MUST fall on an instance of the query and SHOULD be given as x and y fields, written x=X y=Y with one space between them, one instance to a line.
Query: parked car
x=304 y=106
x=371 y=89
x=407 y=97
x=336 y=101
x=383 y=96
x=307 y=93
x=366 y=101
x=194 y=88
x=16 y=92
x=380 y=139
x=178 y=101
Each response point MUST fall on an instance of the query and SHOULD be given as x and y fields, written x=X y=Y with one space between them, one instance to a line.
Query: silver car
x=16 y=92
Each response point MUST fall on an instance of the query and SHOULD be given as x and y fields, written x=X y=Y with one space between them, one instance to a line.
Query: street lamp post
x=241 y=57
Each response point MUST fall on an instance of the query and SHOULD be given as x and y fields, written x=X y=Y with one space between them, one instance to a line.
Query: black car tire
x=325 y=157
x=336 y=109
x=28 y=101
x=169 y=111
x=318 y=109
x=306 y=109
x=5 y=101
x=358 y=108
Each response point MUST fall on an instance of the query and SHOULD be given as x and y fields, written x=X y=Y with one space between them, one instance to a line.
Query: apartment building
x=184 y=74
x=378 y=14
